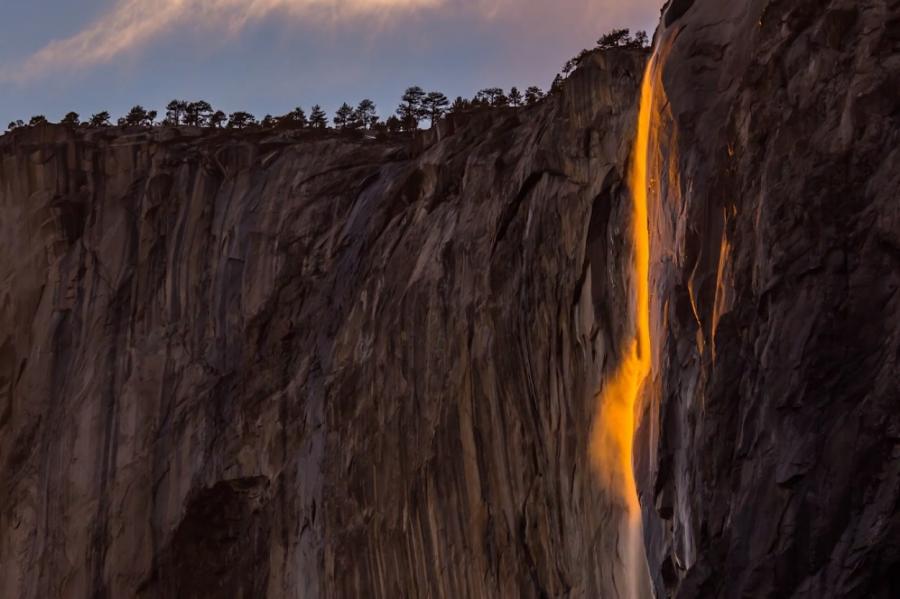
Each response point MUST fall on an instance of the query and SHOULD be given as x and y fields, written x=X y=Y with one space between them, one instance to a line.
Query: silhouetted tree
x=410 y=110
x=15 y=124
x=393 y=124
x=617 y=38
x=241 y=120
x=37 y=119
x=556 y=86
x=434 y=106
x=533 y=95
x=174 y=111
x=355 y=121
x=295 y=118
x=365 y=113
x=491 y=96
x=641 y=40
x=196 y=114
x=317 y=118
x=342 y=116
x=71 y=119
x=217 y=119
x=268 y=122
x=622 y=38
x=137 y=117
x=460 y=104
x=101 y=119
x=515 y=97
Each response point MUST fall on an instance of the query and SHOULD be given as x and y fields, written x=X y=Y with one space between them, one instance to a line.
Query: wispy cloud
x=132 y=24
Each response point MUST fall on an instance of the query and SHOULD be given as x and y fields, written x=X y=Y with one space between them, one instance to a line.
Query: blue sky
x=267 y=56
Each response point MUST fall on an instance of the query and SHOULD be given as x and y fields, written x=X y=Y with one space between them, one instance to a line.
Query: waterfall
x=619 y=402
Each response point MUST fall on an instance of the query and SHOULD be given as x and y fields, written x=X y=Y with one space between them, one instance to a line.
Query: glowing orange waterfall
x=613 y=434
x=612 y=441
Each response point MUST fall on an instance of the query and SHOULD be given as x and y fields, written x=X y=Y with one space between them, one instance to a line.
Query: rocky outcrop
x=769 y=454
x=247 y=365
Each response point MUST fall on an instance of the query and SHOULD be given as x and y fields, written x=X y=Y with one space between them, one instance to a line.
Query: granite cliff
x=770 y=448
x=243 y=364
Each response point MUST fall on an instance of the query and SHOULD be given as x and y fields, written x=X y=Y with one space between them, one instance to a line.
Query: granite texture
x=237 y=364
x=770 y=450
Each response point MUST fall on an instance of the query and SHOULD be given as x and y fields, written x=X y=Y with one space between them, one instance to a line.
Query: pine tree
x=196 y=114
x=434 y=106
x=241 y=120
x=174 y=111
x=491 y=96
x=37 y=119
x=101 y=119
x=343 y=116
x=533 y=95
x=556 y=86
x=640 y=40
x=217 y=119
x=460 y=104
x=393 y=124
x=617 y=38
x=411 y=111
x=365 y=113
x=515 y=97
x=136 y=117
x=71 y=120
x=317 y=118
x=295 y=118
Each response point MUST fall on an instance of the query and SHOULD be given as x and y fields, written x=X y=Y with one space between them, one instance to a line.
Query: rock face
x=254 y=365
x=251 y=366
x=769 y=453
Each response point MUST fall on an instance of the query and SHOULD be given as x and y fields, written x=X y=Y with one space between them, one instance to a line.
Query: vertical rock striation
x=239 y=365
x=770 y=452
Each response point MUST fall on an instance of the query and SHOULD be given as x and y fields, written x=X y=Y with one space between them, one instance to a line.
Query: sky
x=268 y=56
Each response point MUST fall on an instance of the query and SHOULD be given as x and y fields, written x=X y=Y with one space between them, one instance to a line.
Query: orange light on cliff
x=612 y=439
